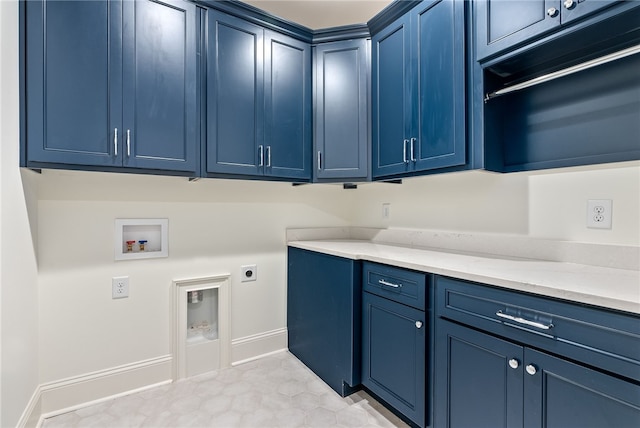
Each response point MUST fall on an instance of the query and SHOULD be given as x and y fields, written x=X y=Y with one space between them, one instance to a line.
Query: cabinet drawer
x=399 y=285
x=605 y=339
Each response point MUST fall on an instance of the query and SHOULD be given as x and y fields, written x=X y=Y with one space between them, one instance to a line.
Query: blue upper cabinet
x=258 y=101
x=159 y=95
x=235 y=88
x=419 y=91
x=505 y=24
x=391 y=87
x=74 y=82
x=111 y=84
x=287 y=107
x=341 y=110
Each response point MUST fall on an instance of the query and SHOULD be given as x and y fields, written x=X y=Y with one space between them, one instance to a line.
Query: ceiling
x=317 y=14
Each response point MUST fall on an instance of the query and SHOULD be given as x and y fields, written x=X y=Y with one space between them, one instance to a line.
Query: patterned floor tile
x=276 y=391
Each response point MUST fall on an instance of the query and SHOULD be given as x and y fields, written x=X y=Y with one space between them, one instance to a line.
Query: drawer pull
x=520 y=320
x=513 y=363
x=418 y=324
x=531 y=369
x=389 y=284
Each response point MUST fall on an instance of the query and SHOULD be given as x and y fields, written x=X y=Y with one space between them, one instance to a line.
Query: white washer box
x=153 y=231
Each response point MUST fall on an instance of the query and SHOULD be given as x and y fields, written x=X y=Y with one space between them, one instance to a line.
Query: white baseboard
x=66 y=395
x=73 y=393
x=31 y=415
x=258 y=345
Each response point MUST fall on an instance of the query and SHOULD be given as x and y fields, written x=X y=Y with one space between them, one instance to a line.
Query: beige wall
x=215 y=226
x=18 y=271
x=550 y=204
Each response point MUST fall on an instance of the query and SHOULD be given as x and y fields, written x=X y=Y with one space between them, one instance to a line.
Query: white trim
x=257 y=357
x=79 y=391
x=46 y=387
x=33 y=409
x=252 y=347
x=100 y=400
x=179 y=289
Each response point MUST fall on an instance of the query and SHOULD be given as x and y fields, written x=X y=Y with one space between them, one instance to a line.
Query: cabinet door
x=341 y=106
x=440 y=95
x=160 y=85
x=393 y=351
x=504 y=24
x=235 y=91
x=562 y=394
x=287 y=105
x=74 y=82
x=324 y=298
x=391 y=89
x=575 y=9
x=474 y=384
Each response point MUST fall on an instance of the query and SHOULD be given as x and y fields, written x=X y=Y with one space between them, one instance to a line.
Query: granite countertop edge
x=611 y=288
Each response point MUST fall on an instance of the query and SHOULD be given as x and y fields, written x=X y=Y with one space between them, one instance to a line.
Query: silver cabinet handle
x=128 y=142
x=552 y=12
x=520 y=320
x=412 y=147
x=389 y=284
x=418 y=324
x=513 y=363
x=115 y=142
x=404 y=151
x=268 y=156
x=319 y=160
x=569 y=4
x=531 y=369
x=261 y=156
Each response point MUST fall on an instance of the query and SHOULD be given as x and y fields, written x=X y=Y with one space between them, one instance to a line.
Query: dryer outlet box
x=249 y=273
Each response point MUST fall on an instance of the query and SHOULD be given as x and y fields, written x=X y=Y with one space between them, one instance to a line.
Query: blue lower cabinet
x=559 y=394
x=393 y=355
x=474 y=384
x=324 y=297
x=485 y=381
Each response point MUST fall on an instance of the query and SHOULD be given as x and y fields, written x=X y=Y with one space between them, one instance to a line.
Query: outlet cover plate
x=119 y=287
x=248 y=273
x=599 y=213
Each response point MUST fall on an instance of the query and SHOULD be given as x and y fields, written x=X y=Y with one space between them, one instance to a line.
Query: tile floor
x=274 y=391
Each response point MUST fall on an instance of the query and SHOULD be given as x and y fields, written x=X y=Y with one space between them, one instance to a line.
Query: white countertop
x=601 y=286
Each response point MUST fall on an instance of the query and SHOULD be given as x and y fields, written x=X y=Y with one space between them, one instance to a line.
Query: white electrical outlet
x=599 y=213
x=119 y=287
x=386 y=211
x=249 y=273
